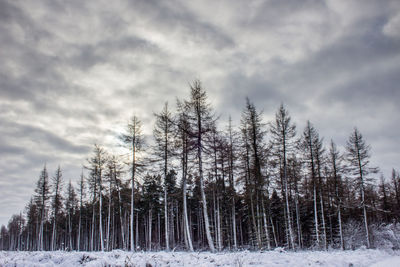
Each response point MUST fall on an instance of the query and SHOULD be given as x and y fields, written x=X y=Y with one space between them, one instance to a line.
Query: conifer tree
x=133 y=139
x=71 y=203
x=184 y=146
x=42 y=196
x=358 y=154
x=255 y=133
x=201 y=119
x=57 y=183
x=164 y=150
x=282 y=133
x=335 y=160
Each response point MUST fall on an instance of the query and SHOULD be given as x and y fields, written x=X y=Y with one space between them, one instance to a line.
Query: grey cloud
x=173 y=17
x=38 y=135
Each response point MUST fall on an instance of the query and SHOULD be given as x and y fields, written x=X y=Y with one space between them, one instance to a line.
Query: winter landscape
x=200 y=133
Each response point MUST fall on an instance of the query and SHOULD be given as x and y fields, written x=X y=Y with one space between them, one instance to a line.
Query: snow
x=363 y=257
x=391 y=262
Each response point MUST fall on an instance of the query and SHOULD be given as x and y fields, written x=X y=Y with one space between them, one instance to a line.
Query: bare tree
x=56 y=203
x=81 y=189
x=202 y=120
x=134 y=140
x=253 y=129
x=183 y=143
x=164 y=133
x=96 y=165
x=358 y=154
x=43 y=194
x=283 y=132
x=335 y=160
x=312 y=147
x=231 y=166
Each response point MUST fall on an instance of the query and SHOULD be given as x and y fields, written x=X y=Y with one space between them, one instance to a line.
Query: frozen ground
x=376 y=258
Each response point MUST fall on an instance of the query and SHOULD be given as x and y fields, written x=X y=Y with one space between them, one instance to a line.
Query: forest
x=199 y=186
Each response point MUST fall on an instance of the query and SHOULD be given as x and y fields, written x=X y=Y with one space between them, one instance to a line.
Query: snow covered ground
x=376 y=258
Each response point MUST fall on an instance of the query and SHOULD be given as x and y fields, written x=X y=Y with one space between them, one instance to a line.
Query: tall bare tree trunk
x=133 y=191
x=101 y=215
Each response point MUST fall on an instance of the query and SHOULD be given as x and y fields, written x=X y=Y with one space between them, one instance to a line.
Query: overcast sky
x=72 y=73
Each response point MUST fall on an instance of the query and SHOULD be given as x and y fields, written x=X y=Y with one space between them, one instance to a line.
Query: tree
x=201 y=120
x=114 y=175
x=163 y=134
x=32 y=215
x=253 y=130
x=57 y=183
x=335 y=160
x=81 y=189
x=150 y=198
x=42 y=196
x=70 y=207
x=96 y=166
x=282 y=133
x=231 y=167
x=184 y=146
x=312 y=147
x=358 y=154
x=134 y=140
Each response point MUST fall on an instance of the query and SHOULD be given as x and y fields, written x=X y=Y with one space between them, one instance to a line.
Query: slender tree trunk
x=321 y=200
x=120 y=210
x=203 y=195
x=101 y=214
x=150 y=226
x=133 y=190
x=287 y=195
x=231 y=185
x=340 y=227
x=363 y=199
x=273 y=232
x=165 y=189
x=53 y=236
x=299 y=235
x=70 y=231
x=79 y=226
x=109 y=218
x=266 y=228
x=323 y=220
x=219 y=226
x=185 y=213
x=137 y=229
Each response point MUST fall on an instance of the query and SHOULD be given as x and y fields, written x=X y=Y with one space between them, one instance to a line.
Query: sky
x=73 y=72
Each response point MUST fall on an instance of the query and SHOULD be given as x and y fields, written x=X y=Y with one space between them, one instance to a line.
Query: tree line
x=259 y=186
